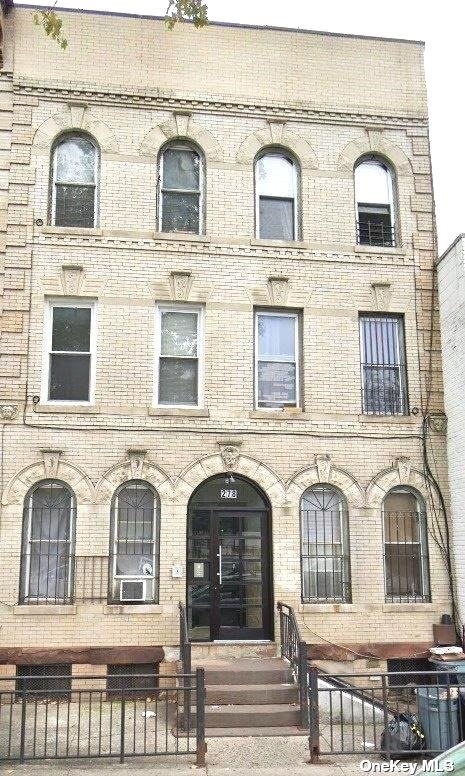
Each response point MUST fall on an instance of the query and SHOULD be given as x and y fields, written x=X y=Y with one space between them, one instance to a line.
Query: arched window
x=47 y=556
x=74 y=182
x=375 y=203
x=134 y=550
x=324 y=545
x=181 y=189
x=406 y=565
x=276 y=214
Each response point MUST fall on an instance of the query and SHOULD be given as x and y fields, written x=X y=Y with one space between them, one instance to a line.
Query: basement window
x=44 y=681
x=136 y=680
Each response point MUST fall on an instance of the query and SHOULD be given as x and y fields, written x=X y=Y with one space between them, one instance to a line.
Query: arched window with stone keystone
x=47 y=554
x=276 y=195
x=74 y=190
x=375 y=202
x=405 y=539
x=325 y=553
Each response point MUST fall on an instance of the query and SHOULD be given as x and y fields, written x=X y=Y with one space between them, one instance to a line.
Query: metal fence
x=81 y=717
x=294 y=649
x=358 y=713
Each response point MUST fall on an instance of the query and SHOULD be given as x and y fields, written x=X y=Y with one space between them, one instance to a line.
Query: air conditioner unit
x=132 y=590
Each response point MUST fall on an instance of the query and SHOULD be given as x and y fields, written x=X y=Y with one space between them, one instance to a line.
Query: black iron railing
x=294 y=649
x=359 y=712
x=376 y=233
x=185 y=653
x=83 y=717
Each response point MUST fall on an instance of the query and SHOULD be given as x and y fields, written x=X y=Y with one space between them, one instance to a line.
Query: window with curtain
x=134 y=544
x=325 y=554
x=277 y=359
x=180 y=355
x=74 y=184
x=383 y=364
x=406 y=564
x=375 y=205
x=181 y=189
x=47 y=556
x=276 y=196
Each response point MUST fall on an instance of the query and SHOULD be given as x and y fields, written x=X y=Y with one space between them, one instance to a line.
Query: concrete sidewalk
x=225 y=757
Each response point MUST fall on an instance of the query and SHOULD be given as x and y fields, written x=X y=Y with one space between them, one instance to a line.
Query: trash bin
x=455 y=669
x=439 y=716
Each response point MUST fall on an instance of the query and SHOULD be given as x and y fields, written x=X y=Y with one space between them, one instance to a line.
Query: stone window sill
x=202 y=238
x=410 y=608
x=389 y=419
x=179 y=412
x=279 y=243
x=371 y=249
x=328 y=608
x=288 y=414
x=56 y=610
x=73 y=230
x=70 y=409
x=133 y=609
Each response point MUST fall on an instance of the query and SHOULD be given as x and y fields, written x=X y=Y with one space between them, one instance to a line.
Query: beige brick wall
x=318 y=105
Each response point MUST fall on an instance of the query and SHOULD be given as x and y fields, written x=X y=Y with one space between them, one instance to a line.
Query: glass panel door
x=228 y=575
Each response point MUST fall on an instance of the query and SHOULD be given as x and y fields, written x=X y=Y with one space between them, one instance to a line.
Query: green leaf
x=186 y=11
x=52 y=25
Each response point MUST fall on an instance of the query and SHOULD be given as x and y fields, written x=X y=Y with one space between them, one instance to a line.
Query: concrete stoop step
x=249 y=697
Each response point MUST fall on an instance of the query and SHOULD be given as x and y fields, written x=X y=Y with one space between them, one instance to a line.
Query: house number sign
x=228 y=493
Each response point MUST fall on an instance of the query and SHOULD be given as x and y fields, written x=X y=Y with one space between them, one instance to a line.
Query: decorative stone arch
x=257 y=472
x=18 y=487
x=277 y=134
x=75 y=118
x=182 y=126
x=400 y=474
x=325 y=473
x=135 y=467
x=374 y=143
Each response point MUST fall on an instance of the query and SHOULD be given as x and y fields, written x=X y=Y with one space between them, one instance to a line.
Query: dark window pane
x=71 y=329
x=276 y=219
x=69 y=378
x=74 y=206
x=403 y=570
x=181 y=169
x=178 y=381
x=375 y=225
x=382 y=391
x=276 y=384
x=180 y=212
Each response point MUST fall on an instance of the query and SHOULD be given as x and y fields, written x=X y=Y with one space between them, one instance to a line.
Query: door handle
x=220 y=556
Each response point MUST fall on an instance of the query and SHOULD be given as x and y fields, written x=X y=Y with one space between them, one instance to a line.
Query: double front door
x=228 y=593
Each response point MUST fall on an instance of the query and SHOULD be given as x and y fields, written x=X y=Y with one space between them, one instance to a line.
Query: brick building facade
x=269 y=295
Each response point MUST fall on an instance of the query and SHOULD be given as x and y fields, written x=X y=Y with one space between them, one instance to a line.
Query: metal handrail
x=294 y=649
x=185 y=653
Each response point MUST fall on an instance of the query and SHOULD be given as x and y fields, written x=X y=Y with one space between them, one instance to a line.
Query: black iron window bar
x=384 y=373
x=376 y=233
x=325 y=561
x=406 y=557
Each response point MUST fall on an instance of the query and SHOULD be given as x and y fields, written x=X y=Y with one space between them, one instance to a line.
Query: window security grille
x=131 y=678
x=40 y=680
x=405 y=548
x=384 y=373
x=325 y=546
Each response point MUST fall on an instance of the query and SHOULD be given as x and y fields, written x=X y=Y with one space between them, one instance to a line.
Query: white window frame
x=60 y=141
x=283 y=155
x=153 y=577
x=391 y=191
x=199 y=310
x=182 y=146
x=424 y=561
x=28 y=541
x=278 y=314
x=50 y=304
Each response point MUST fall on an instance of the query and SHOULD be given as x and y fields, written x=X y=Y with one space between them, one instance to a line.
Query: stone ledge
x=408 y=420
x=179 y=412
x=295 y=414
x=296 y=244
x=65 y=230
x=377 y=249
x=56 y=610
x=67 y=409
x=328 y=608
x=133 y=609
x=412 y=608
x=188 y=236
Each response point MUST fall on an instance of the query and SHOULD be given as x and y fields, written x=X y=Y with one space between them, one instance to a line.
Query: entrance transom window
x=228 y=561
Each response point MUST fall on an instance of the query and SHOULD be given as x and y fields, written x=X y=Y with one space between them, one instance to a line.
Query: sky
x=439 y=24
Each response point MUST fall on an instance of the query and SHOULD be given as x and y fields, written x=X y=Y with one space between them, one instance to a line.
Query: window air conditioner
x=132 y=590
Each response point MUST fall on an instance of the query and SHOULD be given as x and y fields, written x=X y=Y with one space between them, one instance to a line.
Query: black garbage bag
x=403 y=734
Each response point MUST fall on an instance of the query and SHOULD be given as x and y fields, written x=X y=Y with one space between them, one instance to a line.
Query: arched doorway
x=229 y=594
